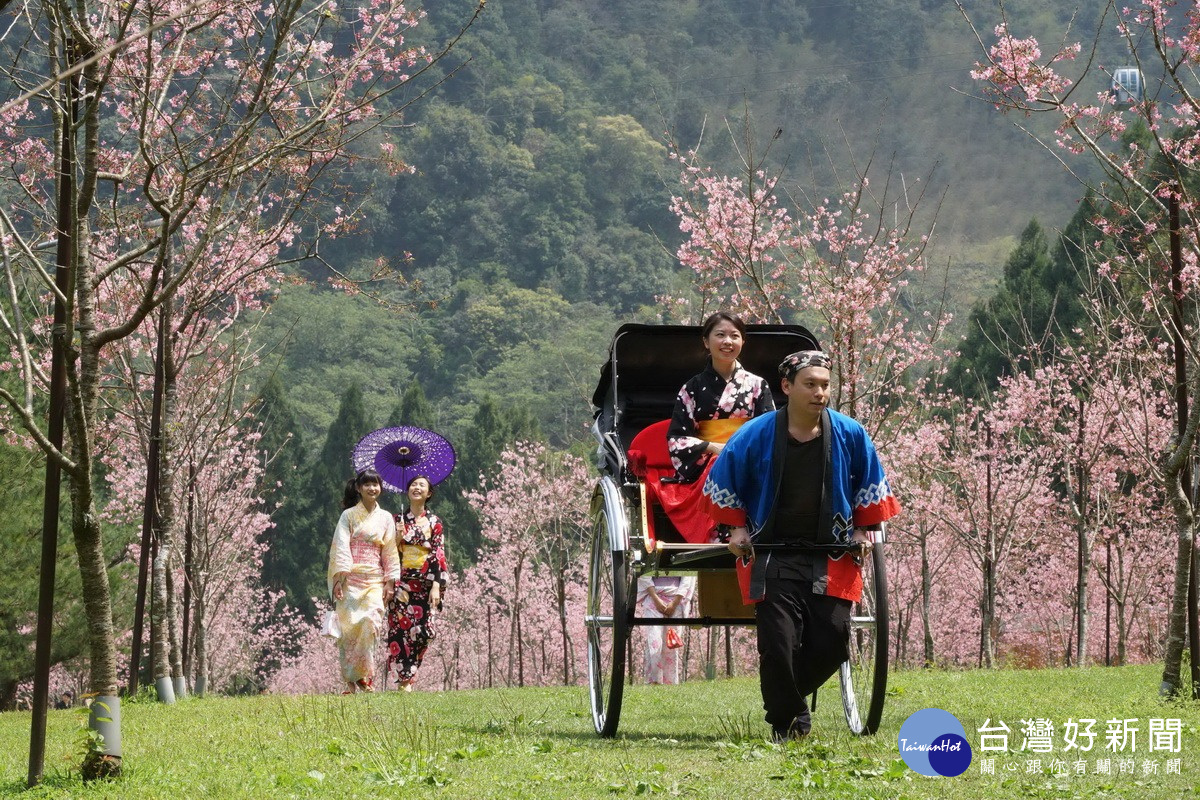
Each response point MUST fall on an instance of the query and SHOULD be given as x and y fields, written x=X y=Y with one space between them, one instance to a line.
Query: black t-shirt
x=798 y=512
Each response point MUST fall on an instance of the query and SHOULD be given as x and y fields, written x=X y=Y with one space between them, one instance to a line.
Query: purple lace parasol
x=402 y=453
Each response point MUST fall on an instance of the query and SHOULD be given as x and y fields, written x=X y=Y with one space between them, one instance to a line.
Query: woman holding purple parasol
x=412 y=615
x=364 y=566
x=412 y=460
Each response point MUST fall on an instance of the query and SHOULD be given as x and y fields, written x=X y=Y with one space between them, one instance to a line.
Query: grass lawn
x=701 y=739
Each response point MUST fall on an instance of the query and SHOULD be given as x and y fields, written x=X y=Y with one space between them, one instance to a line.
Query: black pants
x=802 y=640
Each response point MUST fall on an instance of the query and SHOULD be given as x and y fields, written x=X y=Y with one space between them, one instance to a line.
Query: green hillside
x=537 y=215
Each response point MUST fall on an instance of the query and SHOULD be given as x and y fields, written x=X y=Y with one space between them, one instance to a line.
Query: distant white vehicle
x=1127 y=86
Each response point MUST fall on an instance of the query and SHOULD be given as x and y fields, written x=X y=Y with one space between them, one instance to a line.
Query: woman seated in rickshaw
x=708 y=409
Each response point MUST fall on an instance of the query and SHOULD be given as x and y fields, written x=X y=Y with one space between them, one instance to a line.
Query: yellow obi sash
x=719 y=430
x=413 y=556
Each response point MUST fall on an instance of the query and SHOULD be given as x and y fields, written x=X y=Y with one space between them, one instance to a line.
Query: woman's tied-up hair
x=803 y=359
x=350 y=492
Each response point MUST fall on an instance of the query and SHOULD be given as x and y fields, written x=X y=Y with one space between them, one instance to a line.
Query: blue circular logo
x=933 y=742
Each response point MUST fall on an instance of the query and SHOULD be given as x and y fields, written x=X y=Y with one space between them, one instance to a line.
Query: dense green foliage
x=20 y=548
x=490 y=432
x=1039 y=303
x=1037 y=306
x=289 y=558
x=21 y=502
x=300 y=541
x=536 y=218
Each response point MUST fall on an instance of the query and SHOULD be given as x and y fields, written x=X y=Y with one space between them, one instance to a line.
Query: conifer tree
x=20 y=552
x=327 y=475
x=283 y=492
x=1036 y=302
x=492 y=429
x=413 y=409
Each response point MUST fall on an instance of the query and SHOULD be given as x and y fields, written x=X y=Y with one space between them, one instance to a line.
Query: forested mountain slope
x=537 y=215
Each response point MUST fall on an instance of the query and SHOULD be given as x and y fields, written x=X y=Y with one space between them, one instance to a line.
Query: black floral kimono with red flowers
x=412 y=625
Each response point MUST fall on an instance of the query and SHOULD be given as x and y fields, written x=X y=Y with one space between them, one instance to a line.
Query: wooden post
x=64 y=260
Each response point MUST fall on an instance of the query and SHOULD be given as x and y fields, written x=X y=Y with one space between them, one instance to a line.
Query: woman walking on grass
x=412 y=616
x=364 y=566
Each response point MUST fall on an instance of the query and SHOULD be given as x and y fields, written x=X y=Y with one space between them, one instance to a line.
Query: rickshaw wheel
x=864 y=674
x=607 y=627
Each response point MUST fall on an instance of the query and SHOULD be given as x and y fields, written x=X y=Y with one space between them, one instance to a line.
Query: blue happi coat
x=743 y=486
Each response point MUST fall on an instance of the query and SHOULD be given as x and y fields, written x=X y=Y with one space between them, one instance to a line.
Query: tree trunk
x=927 y=602
x=514 y=626
x=8 y=695
x=89 y=547
x=988 y=564
x=520 y=654
x=561 y=590
x=1172 y=684
x=83 y=370
x=160 y=645
x=1084 y=568
x=196 y=644
x=987 y=615
x=175 y=654
x=1122 y=633
x=166 y=658
x=200 y=646
x=728 y=653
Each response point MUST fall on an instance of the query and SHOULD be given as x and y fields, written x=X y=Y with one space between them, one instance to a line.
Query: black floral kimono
x=412 y=625
x=708 y=396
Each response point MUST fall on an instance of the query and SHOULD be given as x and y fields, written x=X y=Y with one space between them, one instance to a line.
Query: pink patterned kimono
x=661 y=664
x=364 y=547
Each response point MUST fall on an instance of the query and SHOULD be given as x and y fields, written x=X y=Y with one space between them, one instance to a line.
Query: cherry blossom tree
x=1058 y=448
x=1133 y=562
x=1095 y=440
x=312 y=666
x=837 y=264
x=1148 y=152
x=1003 y=499
x=476 y=641
x=192 y=332
x=533 y=511
x=921 y=547
x=562 y=546
x=222 y=517
x=175 y=135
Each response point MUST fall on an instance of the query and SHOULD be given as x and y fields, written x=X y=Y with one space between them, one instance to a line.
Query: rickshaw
x=632 y=537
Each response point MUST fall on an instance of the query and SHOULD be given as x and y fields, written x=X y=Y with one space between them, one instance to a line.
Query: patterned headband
x=802 y=360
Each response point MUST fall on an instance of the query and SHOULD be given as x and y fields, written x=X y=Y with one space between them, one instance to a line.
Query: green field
x=701 y=739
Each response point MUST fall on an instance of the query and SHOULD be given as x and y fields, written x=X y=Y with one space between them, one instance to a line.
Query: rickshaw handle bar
x=803 y=548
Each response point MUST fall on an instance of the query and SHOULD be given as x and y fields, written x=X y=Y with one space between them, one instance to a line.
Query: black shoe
x=801 y=726
x=802 y=723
